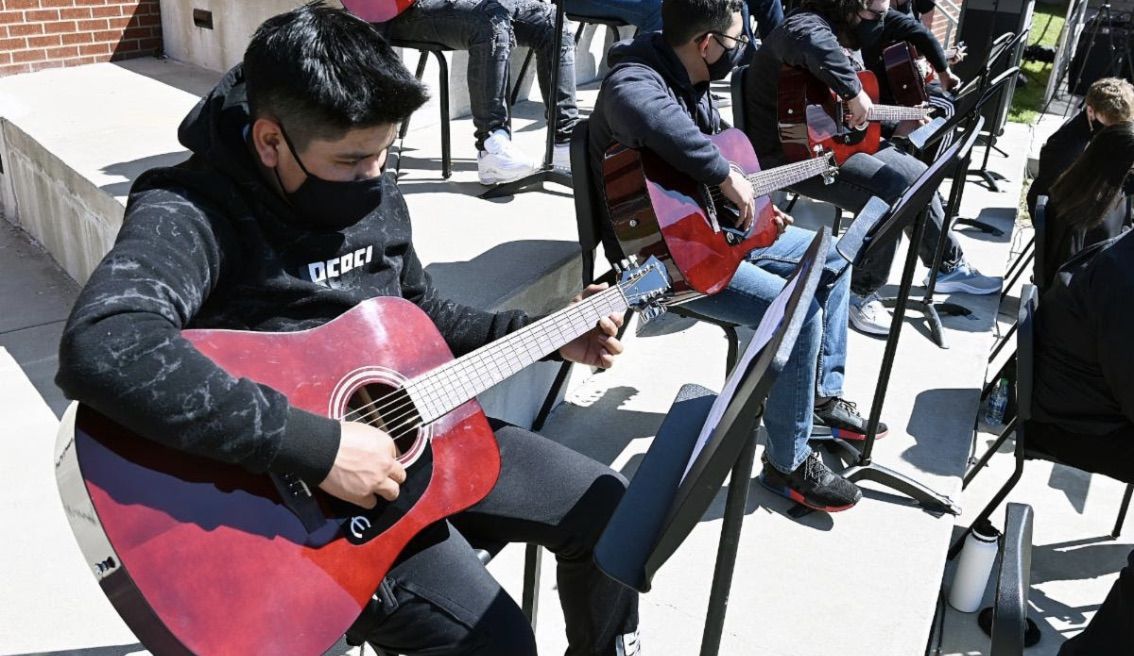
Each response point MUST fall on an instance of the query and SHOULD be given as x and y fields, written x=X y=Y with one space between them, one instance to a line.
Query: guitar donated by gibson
x=812 y=116
x=660 y=212
x=201 y=557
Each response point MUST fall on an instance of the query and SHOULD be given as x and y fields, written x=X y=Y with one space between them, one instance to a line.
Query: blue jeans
x=488 y=30
x=818 y=360
x=643 y=14
x=768 y=14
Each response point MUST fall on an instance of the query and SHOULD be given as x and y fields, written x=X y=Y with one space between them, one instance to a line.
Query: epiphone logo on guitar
x=358 y=526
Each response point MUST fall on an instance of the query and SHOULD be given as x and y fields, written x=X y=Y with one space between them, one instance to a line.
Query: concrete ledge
x=67 y=174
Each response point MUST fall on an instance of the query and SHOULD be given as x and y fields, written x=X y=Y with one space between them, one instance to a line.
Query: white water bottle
x=971 y=577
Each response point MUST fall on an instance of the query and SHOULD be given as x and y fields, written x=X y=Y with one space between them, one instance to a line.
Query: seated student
x=1086 y=205
x=815 y=37
x=656 y=96
x=893 y=27
x=1083 y=401
x=292 y=176
x=1111 y=631
x=488 y=30
x=1109 y=100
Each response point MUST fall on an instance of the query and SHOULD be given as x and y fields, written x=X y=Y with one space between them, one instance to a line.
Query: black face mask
x=724 y=64
x=331 y=205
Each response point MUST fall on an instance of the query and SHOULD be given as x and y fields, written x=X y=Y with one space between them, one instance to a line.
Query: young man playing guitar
x=815 y=38
x=656 y=97
x=283 y=219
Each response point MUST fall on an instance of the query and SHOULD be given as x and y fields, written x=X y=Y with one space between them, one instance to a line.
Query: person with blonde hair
x=1109 y=101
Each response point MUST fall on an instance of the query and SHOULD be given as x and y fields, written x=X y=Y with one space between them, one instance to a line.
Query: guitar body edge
x=189 y=535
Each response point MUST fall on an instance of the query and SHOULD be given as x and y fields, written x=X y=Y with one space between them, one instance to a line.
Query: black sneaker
x=812 y=484
x=842 y=418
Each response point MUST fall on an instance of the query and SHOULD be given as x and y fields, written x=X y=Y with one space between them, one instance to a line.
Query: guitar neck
x=897 y=113
x=765 y=182
x=437 y=392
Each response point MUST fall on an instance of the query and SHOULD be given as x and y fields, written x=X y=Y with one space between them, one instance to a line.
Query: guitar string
x=406 y=423
x=369 y=411
x=398 y=400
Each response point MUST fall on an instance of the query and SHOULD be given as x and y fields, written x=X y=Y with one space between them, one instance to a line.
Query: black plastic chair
x=438 y=51
x=1010 y=618
x=613 y=24
x=1025 y=380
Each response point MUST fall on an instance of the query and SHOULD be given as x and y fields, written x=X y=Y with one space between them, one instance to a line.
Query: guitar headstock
x=828 y=157
x=644 y=285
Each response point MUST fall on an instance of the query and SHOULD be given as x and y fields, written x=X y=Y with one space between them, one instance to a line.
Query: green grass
x=1028 y=100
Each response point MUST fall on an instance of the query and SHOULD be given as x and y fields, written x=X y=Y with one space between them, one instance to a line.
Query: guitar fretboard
x=439 y=391
x=897 y=113
x=779 y=177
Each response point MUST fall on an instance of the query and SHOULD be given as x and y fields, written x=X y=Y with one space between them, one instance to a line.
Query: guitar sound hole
x=389 y=409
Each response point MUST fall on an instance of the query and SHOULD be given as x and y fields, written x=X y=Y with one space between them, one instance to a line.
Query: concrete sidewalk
x=861 y=582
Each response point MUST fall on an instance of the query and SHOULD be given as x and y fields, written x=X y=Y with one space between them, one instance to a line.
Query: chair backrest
x=737 y=87
x=1025 y=353
x=1039 y=228
x=1010 y=619
x=587 y=211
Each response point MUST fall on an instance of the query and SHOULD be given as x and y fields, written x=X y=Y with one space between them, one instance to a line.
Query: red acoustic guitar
x=200 y=557
x=660 y=212
x=377 y=11
x=905 y=74
x=812 y=116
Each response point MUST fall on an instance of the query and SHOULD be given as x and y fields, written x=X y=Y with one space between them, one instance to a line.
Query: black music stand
x=547 y=172
x=693 y=452
x=883 y=224
x=1011 y=45
x=972 y=120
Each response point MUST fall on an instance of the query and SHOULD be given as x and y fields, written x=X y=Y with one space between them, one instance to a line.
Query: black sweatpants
x=439 y=600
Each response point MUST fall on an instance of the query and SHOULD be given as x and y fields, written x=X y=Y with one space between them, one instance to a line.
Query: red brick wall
x=38 y=34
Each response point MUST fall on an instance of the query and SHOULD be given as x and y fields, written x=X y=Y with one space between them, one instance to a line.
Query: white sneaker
x=561 y=156
x=501 y=161
x=869 y=315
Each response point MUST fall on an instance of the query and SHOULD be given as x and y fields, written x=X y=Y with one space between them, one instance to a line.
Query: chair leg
x=837 y=222
x=791 y=203
x=733 y=348
x=579 y=34
x=443 y=83
x=533 y=559
x=1008 y=430
x=515 y=95
x=421 y=60
x=992 y=505
x=1122 y=511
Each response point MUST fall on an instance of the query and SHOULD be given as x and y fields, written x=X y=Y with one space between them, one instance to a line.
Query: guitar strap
x=297 y=497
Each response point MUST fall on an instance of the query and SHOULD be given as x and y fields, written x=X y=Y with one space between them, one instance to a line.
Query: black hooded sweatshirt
x=804 y=40
x=208 y=244
x=648 y=101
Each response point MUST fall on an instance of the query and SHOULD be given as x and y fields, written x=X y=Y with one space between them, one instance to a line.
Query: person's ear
x=267 y=139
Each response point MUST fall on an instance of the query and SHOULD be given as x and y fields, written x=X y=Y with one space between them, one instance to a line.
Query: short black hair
x=322 y=72
x=838 y=11
x=685 y=20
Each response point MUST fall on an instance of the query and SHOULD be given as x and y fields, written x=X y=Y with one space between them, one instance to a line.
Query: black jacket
x=1084 y=374
x=207 y=244
x=648 y=101
x=1058 y=154
x=898 y=26
x=806 y=40
x=1061 y=241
